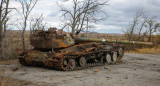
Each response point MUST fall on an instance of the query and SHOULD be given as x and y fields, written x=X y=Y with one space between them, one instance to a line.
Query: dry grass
x=12 y=44
x=8 y=62
x=155 y=50
x=7 y=81
x=6 y=77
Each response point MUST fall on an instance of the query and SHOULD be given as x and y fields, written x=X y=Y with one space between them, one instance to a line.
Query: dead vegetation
x=154 y=50
x=8 y=62
x=6 y=80
x=12 y=44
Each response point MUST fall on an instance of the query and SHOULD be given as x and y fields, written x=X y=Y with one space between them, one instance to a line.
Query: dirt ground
x=134 y=70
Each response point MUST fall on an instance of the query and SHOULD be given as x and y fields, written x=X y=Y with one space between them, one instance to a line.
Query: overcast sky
x=120 y=13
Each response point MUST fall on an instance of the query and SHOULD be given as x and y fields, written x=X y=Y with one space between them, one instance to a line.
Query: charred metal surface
x=93 y=54
x=50 y=39
x=60 y=51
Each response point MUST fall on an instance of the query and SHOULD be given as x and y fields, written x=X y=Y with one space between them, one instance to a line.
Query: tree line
x=142 y=26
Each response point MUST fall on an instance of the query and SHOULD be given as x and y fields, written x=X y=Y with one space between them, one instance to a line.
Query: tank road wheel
x=82 y=62
x=108 y=58
x=121 y=53
x=114 y=57
x=71 y=64
x=65 y=64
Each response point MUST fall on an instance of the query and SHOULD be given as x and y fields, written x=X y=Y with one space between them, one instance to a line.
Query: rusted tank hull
x=75 y=57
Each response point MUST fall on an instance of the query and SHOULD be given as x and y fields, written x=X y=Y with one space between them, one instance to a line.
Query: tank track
x=59 y=66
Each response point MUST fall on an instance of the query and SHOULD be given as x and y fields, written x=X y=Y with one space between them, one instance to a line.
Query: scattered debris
x=96 y=71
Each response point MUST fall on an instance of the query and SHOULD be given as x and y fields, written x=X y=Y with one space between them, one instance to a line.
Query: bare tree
x=83 y=11
x=27 y=7
x=4 y=18
x=130 y=31
x=140 y=29
x=152 y=26
x=37 y=24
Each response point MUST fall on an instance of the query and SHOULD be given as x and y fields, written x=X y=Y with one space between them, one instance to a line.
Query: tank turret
x=51 y=39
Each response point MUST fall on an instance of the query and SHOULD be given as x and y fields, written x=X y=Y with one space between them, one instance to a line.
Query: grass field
x=5 y=80
x=154 y=50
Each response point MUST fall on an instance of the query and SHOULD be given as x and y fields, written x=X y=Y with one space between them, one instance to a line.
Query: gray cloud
x=120 y=12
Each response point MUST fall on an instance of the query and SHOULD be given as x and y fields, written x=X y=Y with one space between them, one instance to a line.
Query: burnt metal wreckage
x=61 y=51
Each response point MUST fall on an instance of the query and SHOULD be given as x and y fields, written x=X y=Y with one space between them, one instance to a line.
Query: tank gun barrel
x=129 y=42
x=85 y=40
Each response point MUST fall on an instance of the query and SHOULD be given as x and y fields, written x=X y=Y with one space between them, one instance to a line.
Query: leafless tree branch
x=27 y=7
x=76 y=17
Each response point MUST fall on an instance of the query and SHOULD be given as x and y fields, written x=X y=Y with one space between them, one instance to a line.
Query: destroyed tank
x=61 y=51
